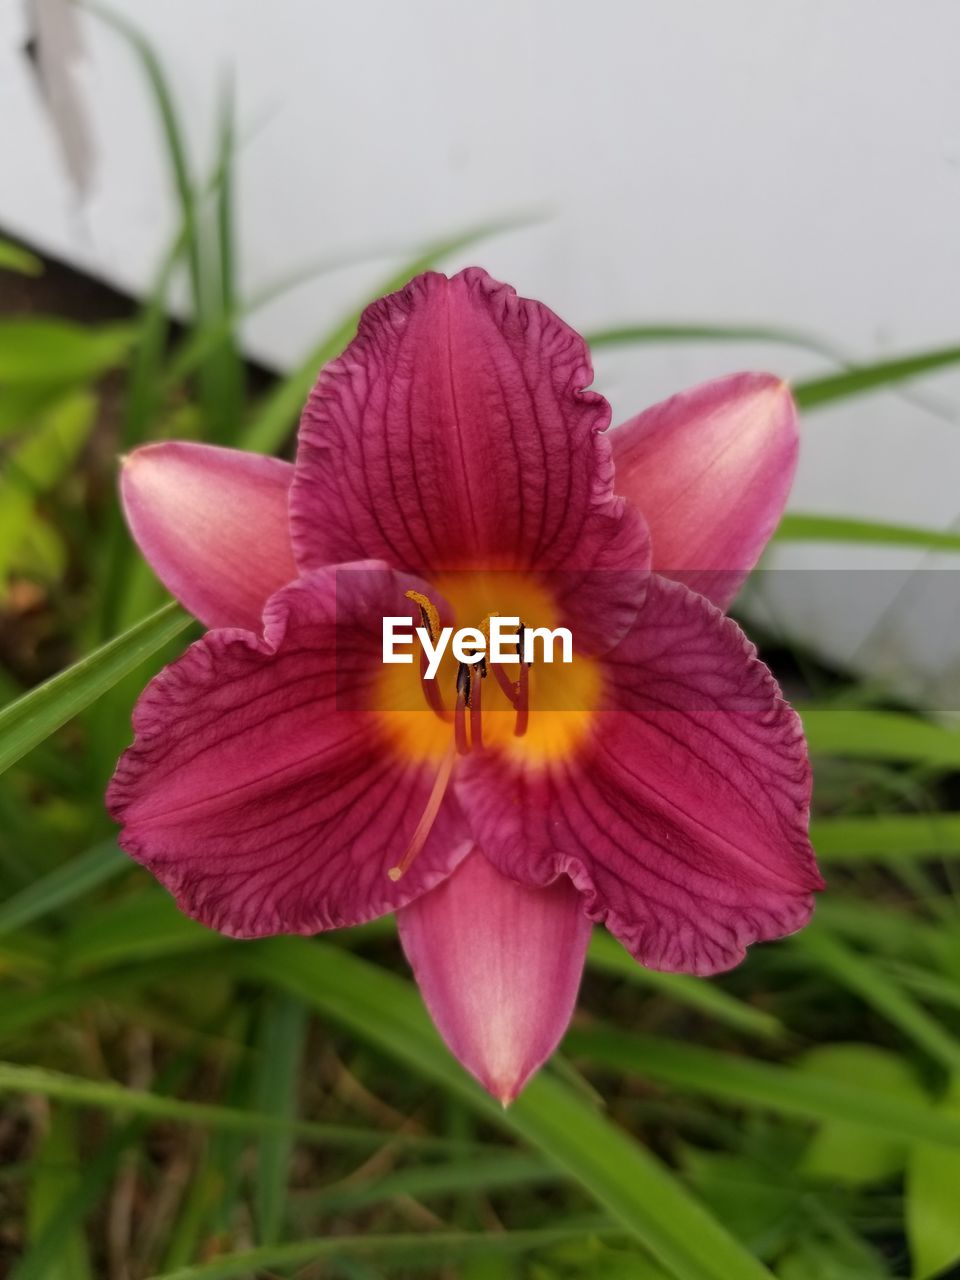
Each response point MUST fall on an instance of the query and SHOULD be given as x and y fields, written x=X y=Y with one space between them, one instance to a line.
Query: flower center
x=535 y=712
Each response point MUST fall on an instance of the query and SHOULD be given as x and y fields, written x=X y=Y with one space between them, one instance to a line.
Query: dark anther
x=425 y=620
x=463 y=682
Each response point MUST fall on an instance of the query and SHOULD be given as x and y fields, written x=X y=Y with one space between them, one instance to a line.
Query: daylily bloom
x=451 y=467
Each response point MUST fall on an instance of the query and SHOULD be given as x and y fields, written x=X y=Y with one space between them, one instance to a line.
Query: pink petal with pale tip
x=711 y=469
x=683 y=820
x=262 y=791
x=454 y=432
x=212 y=523
x=499 y=965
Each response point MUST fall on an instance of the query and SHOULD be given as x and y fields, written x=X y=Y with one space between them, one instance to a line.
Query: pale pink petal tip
x=212 y=524
x=499 y=965
x=711 y=470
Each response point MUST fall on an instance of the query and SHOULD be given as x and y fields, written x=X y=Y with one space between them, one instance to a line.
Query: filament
x=427 y=818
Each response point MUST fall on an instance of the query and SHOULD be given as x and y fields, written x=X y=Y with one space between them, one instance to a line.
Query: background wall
x=796 y=163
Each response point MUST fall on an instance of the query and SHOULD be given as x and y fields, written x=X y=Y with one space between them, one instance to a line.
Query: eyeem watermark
x=509 y=642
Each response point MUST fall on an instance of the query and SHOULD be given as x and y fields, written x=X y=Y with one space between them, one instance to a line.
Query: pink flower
x=451 y=466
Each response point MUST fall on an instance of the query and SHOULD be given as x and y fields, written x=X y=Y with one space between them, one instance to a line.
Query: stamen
x=430 y=619
x=428 y=613
x=476 y=694
x=505 y=683
x=459 y=711
x=523 y=702
x=431 y=690
x=428 y=818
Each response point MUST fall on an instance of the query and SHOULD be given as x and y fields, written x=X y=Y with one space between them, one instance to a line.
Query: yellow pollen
x=431 y=615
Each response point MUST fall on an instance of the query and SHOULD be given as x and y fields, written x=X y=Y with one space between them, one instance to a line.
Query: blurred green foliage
x=180 y=1105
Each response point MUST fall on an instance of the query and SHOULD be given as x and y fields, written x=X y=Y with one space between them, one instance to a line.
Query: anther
x=476 y=696
x=430 y=619
x=429 y=613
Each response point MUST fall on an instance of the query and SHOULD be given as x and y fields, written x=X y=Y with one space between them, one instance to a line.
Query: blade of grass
x=871 y=377
x=695 y=331
x=45 y=349
x=60 y=887
x=56 y=1173
x=15 y=258
x=607 y=955
x=880 y=735
x=282 y=1035
x=760 y=1085
x=172 y=133
x=419 y=1250
x=36 y=715
x=625 y=1179
x=224 y=377
x=811 y=528
x=886 y=835
x=880 y=990
x=107 y=1095
x=443 y=1179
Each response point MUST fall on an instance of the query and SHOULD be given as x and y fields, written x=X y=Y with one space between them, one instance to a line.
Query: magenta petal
x=683 y=821
x=711 y=469
x=261 y=791
x=454 y=431
x=499 y=964
x=213 y=525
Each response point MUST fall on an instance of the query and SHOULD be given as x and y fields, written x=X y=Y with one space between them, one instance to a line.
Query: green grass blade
x=440 y=1179
x=173 y=137
x=695 y=331
x=761 y=1085
x=420 y=1250
x=881 y=735
x=15 y=258
x=886 y=836
x=62 y=886
x=607 y=955
x=107 y=1095
x=622 y=1176
x=879 y=989
x=45 y=349
x=871 y=377
x=56 y=1172
x=39 y=713
x=276 y=1087
x=809 y=528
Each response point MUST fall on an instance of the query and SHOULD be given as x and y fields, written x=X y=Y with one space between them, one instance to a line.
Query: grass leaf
x=15 y=258
x=622 y=1176
x=761 y=1085
x=43 y=349
x=871 y=377
x=418 y=1250
x=33 y=717
x=811 y=528
x=62 y=886
x=880 y=735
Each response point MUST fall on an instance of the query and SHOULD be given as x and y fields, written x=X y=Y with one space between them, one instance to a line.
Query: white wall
x=795 y=162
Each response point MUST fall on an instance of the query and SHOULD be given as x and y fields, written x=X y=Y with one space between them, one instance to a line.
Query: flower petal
x=499 y=964
x=212 y=523
x=455 y=432
x=711 y=469
x=262 y=791
x=683 y=818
